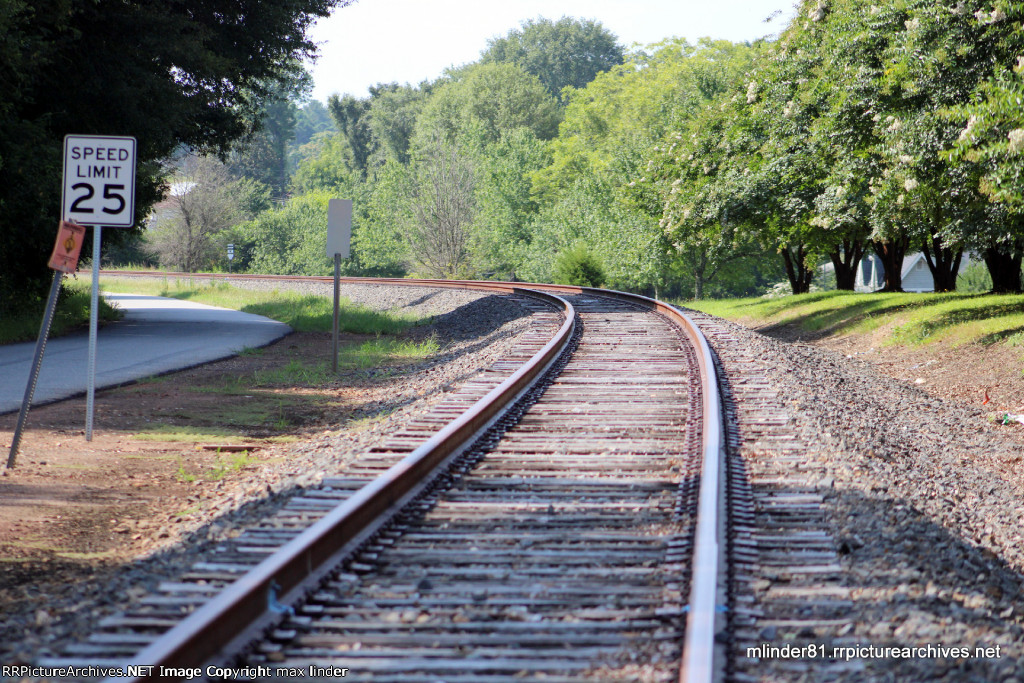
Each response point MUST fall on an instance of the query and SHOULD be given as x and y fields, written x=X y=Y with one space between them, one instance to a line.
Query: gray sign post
x=339 y=237
x=63 y=260
x=99 y=190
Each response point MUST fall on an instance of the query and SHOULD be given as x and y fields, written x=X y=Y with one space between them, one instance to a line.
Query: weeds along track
x=538 y=524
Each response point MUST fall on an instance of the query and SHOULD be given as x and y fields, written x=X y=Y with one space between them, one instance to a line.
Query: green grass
x=303 y=312
x=72 y=313
x=376 y=352
x=296 y=372
x=913 y=319
x=190 y=434
x=223 y=464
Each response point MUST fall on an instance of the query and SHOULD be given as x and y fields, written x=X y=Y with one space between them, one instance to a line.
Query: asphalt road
x=156 y=335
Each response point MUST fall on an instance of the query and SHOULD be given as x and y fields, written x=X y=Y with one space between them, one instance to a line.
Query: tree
x=578 y=266
x=329 y=166
x=203 y=204
x=502 y=226
x=189 y=73
x=567 y=52
x=290 y=240
x=310 y=119
x=441 y=203
x=487 y=101
x=262 y=154
x=393 y=112
x=350 y=117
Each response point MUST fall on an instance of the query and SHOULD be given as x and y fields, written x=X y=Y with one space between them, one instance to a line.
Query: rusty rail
x=249 y=604
x=255 y=600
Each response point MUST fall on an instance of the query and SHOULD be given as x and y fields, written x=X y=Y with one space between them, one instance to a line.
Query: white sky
x=379 y=41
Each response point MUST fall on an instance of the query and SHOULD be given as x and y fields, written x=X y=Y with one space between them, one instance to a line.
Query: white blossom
x=817 y=13
x=965 y=134
x=752 y=92
x=957 y=9
x=912 y=24
x=910 y=184
x=875 y=9
x=1020 y=63
x=789 y=109
x=1016 y=137
x=906 y=159
x=997 y=15
x=981 y=15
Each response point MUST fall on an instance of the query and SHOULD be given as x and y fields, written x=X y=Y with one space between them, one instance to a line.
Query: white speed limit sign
x=99 y=180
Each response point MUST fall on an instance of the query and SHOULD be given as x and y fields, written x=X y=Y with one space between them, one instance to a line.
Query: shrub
x=577 y=266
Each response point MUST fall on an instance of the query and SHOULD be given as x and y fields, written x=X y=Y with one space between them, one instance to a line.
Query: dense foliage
x=883 y=128
x=528 y=164
x=675 y=169
x=195 y=73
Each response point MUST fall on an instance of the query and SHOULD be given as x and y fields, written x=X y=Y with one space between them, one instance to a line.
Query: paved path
x=156 y=335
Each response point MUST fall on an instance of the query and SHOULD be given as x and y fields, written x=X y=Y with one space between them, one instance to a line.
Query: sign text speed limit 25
x=99 y=180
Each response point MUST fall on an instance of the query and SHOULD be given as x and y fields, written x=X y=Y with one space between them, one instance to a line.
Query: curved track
x=563 y=527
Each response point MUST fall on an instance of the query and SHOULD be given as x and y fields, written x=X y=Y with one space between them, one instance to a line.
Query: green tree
x=311 y=118
x=567 y=52
x=487 y=101
x=186 y=73
x=578 y=266
x=379 y=241
x=616 y=132
x=350 y=115
x=502 y=229
x=392 y=119
x=328 y=167
x=292 y=239
x=440 y=204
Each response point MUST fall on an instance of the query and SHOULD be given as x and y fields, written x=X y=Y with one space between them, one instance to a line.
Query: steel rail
x=256 y=599
x=703 y=654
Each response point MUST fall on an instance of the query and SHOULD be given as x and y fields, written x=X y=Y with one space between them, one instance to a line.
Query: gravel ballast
x=924 y=498
x=473 y=329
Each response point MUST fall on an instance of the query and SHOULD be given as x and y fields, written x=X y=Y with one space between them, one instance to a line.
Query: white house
x=916 y=275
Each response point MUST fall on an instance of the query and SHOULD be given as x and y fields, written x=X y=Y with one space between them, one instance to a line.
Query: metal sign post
x=339 y=236
x=63 y=260
x=98 y=190
x=94 y=307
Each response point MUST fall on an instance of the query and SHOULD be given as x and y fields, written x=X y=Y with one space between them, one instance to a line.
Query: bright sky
x=408 y=41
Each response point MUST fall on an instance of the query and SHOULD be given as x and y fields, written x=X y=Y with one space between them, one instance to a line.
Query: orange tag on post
x=69 y=245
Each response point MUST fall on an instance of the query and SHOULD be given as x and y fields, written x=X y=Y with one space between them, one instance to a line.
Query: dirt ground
x=164 y=453
x=969 y=373
x=167 y=451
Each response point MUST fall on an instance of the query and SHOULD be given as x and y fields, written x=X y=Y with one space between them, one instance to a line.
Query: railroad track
x=558 y=521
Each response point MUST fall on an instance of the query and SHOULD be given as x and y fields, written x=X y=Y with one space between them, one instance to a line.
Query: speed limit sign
x=99 y=180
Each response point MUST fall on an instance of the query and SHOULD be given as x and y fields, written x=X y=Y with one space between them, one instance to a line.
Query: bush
x=578 y=266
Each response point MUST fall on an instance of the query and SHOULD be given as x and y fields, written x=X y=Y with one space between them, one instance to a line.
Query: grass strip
x=913 y=319
x=72 y=314
x=302 y=312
